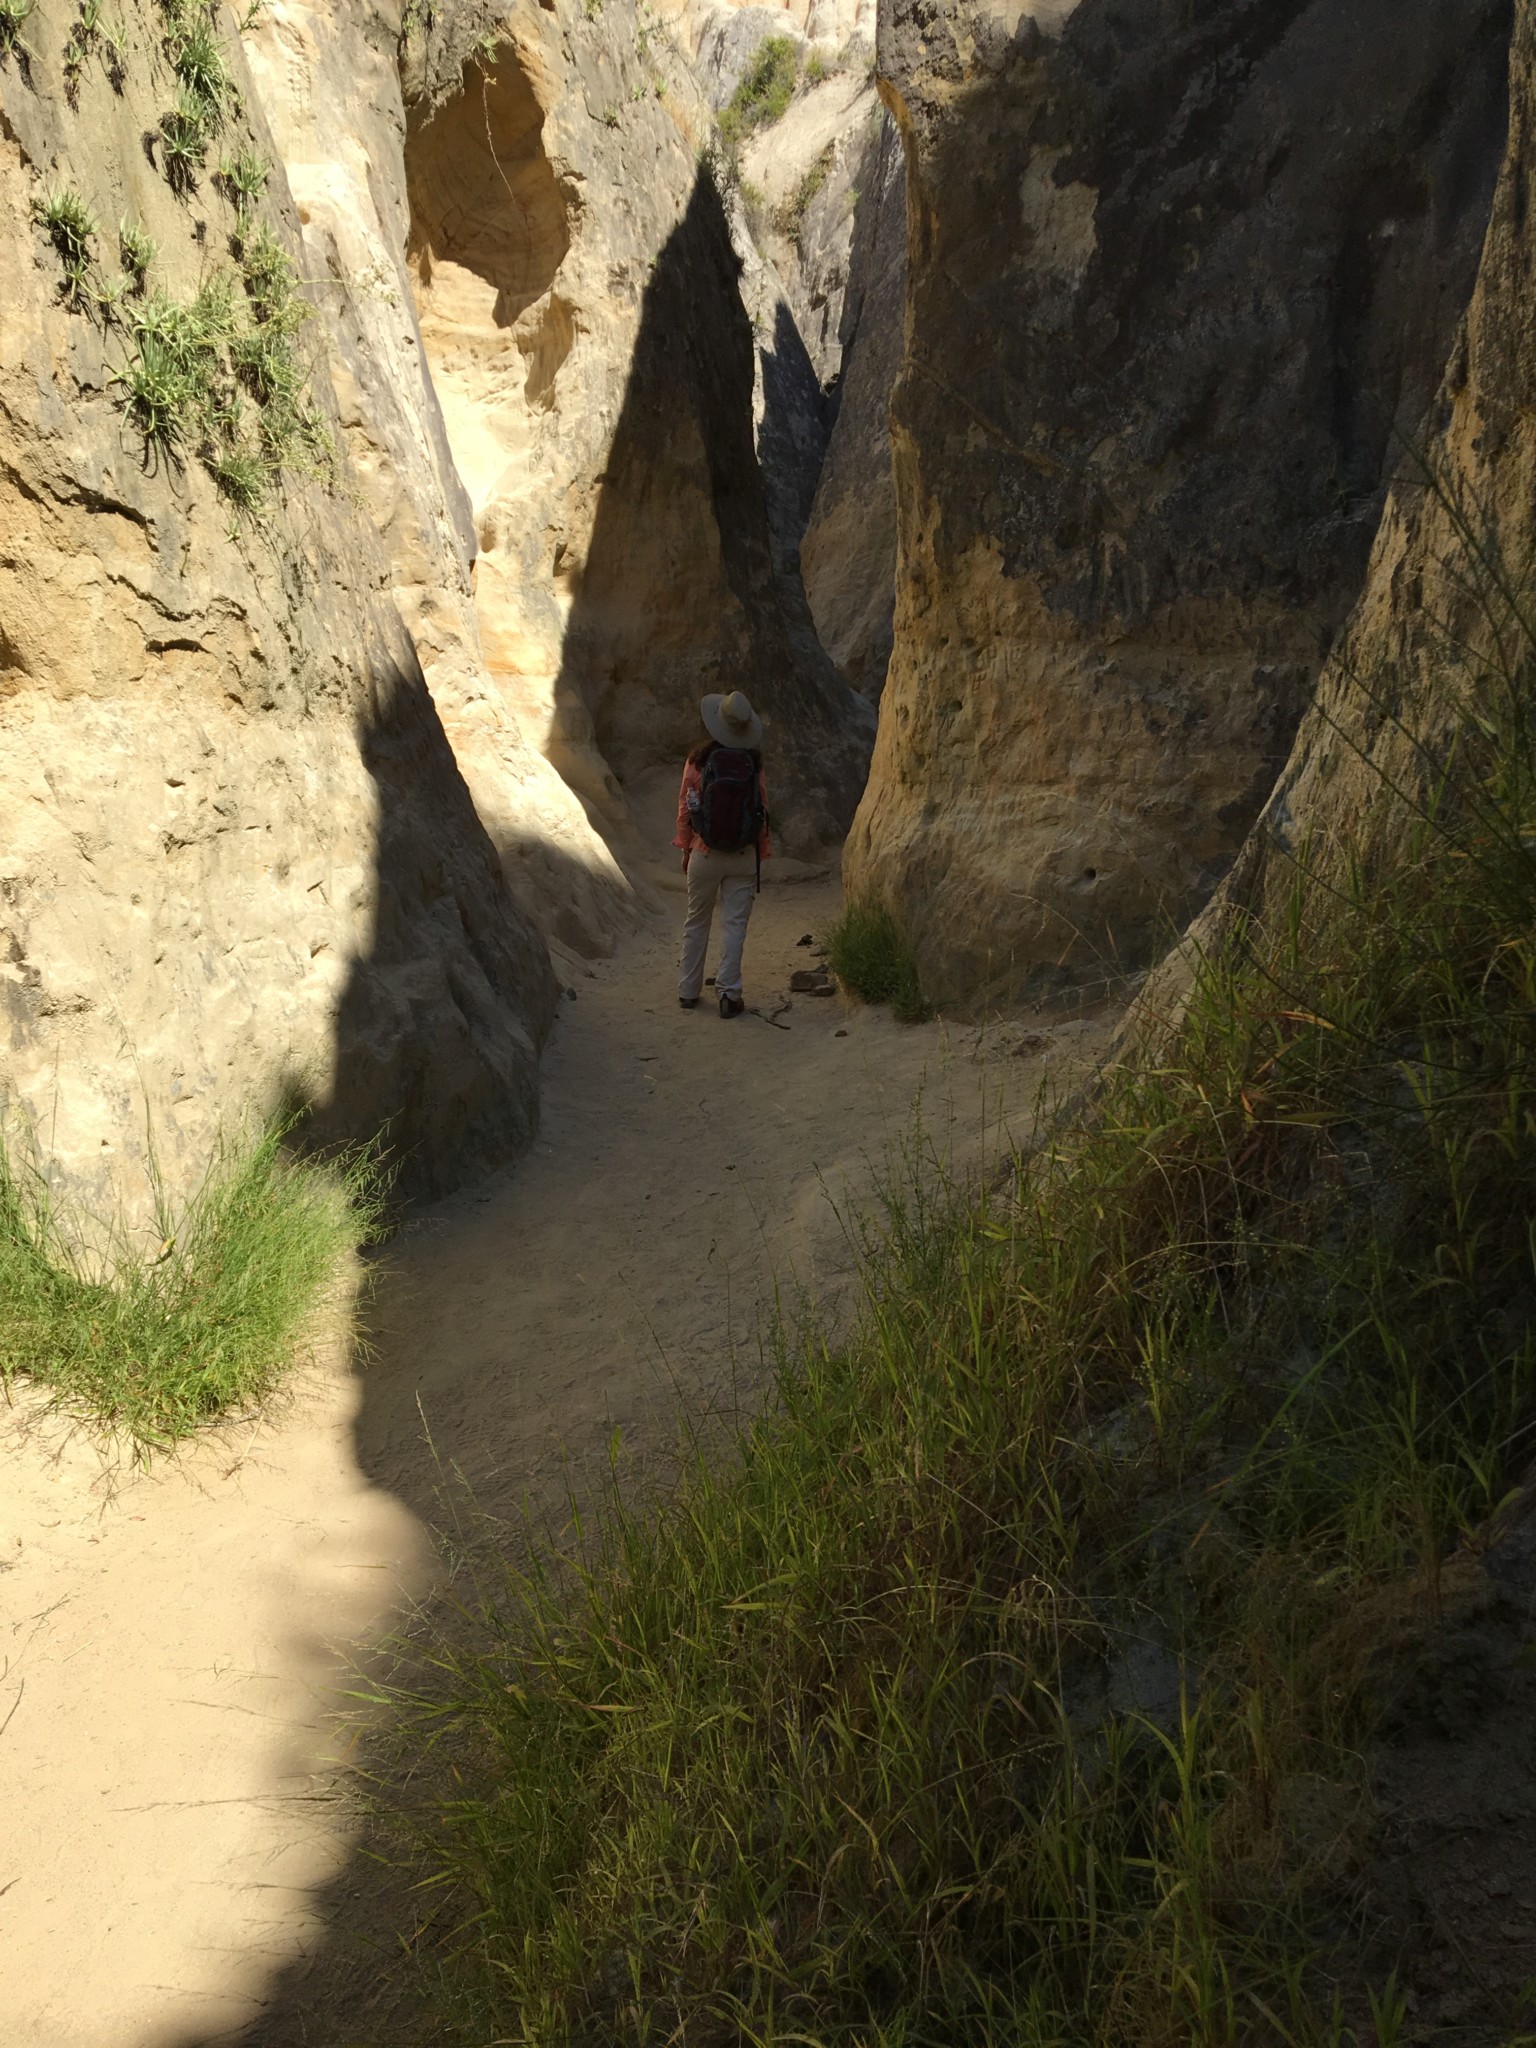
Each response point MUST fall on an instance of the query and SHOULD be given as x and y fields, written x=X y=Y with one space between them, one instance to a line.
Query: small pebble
x=840 y=1033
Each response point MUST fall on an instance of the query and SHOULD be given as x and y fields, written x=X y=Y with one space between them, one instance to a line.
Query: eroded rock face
x=848 y=553
x=1174 y=285
x=237 y=855
x=581 y=308
x=1433 y=641
x=328 y=78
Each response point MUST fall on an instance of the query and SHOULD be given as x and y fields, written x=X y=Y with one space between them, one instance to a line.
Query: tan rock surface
x=237 y=853
x=848 y=553
x=1171 y=291
x=329 y=82
x=580 y=308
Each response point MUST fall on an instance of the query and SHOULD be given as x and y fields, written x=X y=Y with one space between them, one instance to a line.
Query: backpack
x=730 y=813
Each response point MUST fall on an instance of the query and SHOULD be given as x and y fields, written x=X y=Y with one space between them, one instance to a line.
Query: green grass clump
x=243 y=478
x=869 y=954
x=765 y=90
x=137 y=249
x=1009 y=1683
x=185 y=133
x=13 y=15
x=244 y=176
x=71 y=227
x=70 y=223
x=791 y=214
x=156 y=1347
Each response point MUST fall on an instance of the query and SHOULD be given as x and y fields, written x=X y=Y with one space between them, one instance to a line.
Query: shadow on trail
x=427 y=1031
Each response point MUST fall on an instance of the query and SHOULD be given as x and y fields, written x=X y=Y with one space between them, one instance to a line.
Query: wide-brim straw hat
x=732 y=721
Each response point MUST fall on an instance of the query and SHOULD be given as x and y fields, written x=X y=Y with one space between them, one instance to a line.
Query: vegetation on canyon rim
x=156 y=1347
x=764 y=92
x=1010 y=1682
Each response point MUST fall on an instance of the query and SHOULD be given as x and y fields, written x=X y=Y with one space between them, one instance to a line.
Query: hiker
x=722 y=830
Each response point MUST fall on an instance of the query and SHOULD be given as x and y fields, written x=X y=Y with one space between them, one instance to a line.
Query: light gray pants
x=733 y=878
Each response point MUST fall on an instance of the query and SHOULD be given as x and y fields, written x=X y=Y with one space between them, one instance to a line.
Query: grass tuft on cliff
x=869 y=954
x=764 y=92
x=155 y=1347
x=1012 y=1680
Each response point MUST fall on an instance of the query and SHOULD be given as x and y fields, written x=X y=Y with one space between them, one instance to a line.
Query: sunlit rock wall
x=581 y=309
x=236 y=856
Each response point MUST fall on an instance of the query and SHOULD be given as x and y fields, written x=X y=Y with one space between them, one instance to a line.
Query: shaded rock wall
x=1434 y=642
x=237 y=853
x=1176 y=280
x=848 y=554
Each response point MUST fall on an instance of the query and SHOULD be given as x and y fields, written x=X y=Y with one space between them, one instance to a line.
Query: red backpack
x=729 y=818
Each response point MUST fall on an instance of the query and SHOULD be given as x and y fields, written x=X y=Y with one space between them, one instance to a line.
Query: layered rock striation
x=1176 y=292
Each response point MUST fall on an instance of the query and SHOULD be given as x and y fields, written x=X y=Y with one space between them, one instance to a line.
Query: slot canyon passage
x=1096 y=437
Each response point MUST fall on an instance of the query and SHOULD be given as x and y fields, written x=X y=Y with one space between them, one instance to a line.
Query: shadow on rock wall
x=439 y=1024
x=680 y=594
x=1179 y=276
x=441 y=1019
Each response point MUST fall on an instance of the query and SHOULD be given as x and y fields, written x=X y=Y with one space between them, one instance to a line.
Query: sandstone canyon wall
x=241 y=855
x=1443 y=640
x=1175 y=285
x=237 y=853
x=582 y=310
x=848 y=554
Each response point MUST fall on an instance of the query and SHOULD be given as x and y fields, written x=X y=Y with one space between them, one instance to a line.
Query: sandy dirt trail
x=172 y=1642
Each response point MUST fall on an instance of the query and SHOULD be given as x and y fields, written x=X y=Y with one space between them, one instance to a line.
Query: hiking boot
x=731 y=1006
x=687 y=1002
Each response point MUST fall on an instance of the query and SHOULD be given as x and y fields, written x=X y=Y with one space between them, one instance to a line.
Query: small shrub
x=265 y=365
x=765 y=91
x=244 y=177
x=242 y=478
x=137 y=248
x=198 y=61
x=70 y=223
x=754 y=202
x=184 y=134
x=155 y=1348
x=158 y=392
x=868 y=953
x=791 y=215
x=269 y=279
x=816 y=68
x=13 y=13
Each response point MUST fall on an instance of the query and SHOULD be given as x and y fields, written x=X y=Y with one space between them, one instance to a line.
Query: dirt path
x=171 y=1642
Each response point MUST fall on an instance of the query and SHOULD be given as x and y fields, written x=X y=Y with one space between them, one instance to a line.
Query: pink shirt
x=687 y=839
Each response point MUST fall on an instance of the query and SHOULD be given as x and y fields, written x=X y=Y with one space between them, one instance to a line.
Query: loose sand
x=172 y=1642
